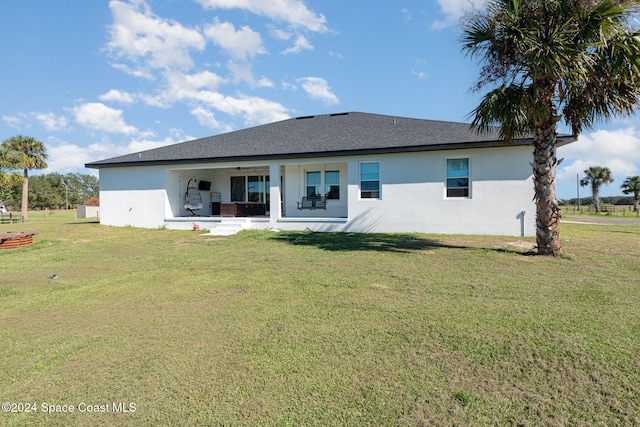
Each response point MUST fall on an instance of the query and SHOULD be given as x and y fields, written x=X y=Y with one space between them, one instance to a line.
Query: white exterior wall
x=413 y=194
x=295 y=188
x=133 y=196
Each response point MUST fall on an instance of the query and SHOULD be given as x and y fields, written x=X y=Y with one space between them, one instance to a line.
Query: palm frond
x=576 y=57
x=505 y=108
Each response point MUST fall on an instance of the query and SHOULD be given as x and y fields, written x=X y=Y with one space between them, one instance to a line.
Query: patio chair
x=192 y=198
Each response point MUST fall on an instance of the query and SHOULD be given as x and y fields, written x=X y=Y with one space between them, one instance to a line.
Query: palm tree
x=596 y=176
x=549 y=59
x=26 y=153
x=631 y=185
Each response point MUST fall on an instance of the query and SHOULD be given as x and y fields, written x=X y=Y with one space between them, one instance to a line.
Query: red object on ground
x=16 y=239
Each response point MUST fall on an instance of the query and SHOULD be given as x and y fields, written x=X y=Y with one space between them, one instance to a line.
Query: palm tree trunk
x=595 y=190
x=544 y=178
x=25 y=197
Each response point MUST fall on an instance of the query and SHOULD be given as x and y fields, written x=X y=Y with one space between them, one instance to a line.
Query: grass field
x=267 y=328
x=625 y=211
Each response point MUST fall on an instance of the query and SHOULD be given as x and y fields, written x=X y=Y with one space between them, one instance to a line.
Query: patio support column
x=274 y=190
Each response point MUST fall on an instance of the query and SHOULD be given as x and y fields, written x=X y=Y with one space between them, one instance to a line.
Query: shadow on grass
x=380 y=242
x=358 y=241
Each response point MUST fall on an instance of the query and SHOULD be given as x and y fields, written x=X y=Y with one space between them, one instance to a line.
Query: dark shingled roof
x=313 y=136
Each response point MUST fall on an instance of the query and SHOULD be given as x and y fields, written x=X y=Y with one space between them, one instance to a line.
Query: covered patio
x=247 y=196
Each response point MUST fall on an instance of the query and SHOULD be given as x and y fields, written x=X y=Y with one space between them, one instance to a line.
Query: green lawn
x=625 y=212
x=267 y=328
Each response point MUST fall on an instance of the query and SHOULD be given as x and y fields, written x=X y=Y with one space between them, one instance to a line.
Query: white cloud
x=135 y=72
x=117 y=96
x=64 y=157
x=136 y=145
x=616 y=149
x=12 y=121
x=150 y=41
x=203 y=89
x=241 y=71
x=207 y=118
x=263 y=82
x=419 y=74
x=152 y=47
x=288 y=86
x=154 y=100
x=50 y=121
x=242 y=44
x=181 y=87
x=201 y=80
x=293 y=12
x=407 y=14
x=318 y=88
x=255 y=110
x=97 y=116
x=280 y=34
x=300 y=44
x=455 y=9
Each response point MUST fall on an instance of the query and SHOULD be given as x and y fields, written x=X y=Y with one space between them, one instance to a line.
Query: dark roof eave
x=337 y=153
x=563 y=140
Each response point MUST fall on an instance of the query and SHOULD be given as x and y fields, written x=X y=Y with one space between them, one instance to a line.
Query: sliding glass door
x=251 y=188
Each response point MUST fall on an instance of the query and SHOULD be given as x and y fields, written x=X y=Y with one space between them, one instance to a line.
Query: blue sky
x=95 y=79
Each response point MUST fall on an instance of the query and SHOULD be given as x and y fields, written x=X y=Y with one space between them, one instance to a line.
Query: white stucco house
x=353 y=172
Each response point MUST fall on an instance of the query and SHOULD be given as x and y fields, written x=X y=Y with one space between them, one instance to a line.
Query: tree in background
x=631 y=185
x=549 y=59
x=57 y=191
x=10 y=182
x=596 y=176
x=26 y=153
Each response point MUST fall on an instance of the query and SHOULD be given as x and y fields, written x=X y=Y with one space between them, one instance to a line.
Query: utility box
x=86 y=211
x=215 y=203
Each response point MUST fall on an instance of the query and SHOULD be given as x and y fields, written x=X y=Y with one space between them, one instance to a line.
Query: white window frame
x=307 y=185
x=264 y=195
x=360 y=180
x=447 y=177
x=339 y=184
x=323 y=183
